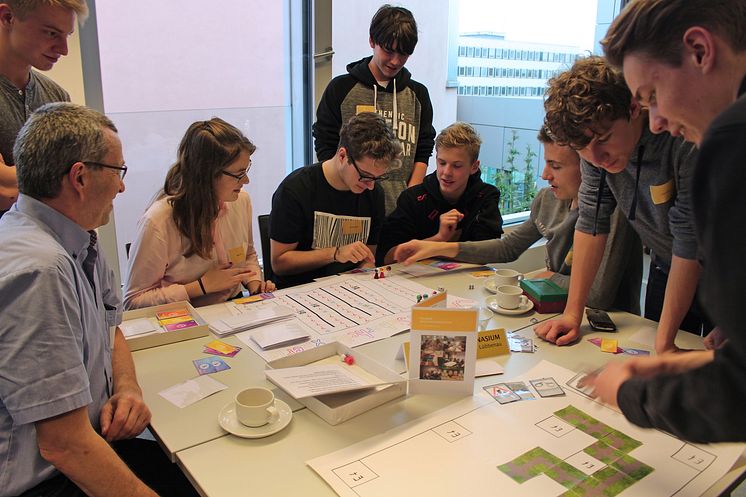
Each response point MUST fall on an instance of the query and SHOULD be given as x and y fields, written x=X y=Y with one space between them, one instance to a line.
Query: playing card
x=520 y=344
x=171 y=314
x=521 y=389
x=547 y=387
x=181 y=326
x=208 y=365
x=501 y=393
x=237 y=255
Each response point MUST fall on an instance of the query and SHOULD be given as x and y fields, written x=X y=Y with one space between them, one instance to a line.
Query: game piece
x=419 y=298
x=383 y=273
x=376 y=275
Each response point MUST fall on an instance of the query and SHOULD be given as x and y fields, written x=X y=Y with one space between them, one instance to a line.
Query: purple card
x=636 y=352
x=181 y=326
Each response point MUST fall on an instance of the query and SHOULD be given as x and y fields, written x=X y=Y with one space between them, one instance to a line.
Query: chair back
x=263 y=221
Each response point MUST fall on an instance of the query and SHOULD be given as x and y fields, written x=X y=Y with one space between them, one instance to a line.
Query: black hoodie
x=418 y=210
x=409 y=112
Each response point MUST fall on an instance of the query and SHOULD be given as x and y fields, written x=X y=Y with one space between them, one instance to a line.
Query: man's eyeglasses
x=365 y=177
x=122 y=169
x=240 y=176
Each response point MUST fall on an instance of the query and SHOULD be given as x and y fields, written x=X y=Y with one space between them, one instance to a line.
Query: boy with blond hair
x=451 y=204
x=33 y=33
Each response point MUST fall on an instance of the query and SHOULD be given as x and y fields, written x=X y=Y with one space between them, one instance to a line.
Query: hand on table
x=415 y=250
x=355 y=252
x=124 y=415
x=259 y=286
x=563 y=330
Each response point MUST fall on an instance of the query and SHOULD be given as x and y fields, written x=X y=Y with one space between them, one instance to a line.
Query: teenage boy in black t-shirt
x=326 y=218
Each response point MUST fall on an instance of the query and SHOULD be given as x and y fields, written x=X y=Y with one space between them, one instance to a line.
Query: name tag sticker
x=352 y=226
x=237 y=255
x=662 y=193
x=364 y=108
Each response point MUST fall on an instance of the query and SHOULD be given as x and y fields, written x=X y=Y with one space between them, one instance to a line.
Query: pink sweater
x=158 y=270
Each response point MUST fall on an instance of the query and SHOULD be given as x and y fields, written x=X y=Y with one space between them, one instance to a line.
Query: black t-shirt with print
x=303 y=210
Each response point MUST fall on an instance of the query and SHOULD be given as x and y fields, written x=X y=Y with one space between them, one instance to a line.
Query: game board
x=567 y=445
x=350 y=309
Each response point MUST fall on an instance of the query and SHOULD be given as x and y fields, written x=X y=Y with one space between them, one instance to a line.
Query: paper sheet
x=322 y=379
x=543 y=447
x=191 y=391
x=352 y=309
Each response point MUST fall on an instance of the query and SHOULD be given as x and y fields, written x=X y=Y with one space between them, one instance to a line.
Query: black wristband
x=201 y=285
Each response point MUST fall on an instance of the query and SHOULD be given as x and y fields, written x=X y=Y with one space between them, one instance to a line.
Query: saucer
x=230 y=423
x=522 y=309
x=490 y=285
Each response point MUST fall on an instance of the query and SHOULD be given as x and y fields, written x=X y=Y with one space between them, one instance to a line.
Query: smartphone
x=599 y=320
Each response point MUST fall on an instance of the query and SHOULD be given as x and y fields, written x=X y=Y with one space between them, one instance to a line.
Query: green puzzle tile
x=532 y=463
x=603 y=452
x=566 y=475
x=584 y=422
x=637 y=470
x=620 y=441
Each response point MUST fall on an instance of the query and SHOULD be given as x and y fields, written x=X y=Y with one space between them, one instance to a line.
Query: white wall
x=166 y=64
x=428 y=64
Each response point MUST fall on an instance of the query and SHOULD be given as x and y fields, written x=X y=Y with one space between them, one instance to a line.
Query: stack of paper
x=249 y=320
x=280 y=334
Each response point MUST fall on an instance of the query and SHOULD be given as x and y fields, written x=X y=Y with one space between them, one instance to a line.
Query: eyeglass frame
x=122 y=169
x=238 y=177
x=366 y=179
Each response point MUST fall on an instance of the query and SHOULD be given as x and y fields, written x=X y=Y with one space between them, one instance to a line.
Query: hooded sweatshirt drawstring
x=375 y=105
x=396 y=124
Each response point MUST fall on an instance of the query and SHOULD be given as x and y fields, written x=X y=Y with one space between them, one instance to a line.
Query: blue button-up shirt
x=55 y=340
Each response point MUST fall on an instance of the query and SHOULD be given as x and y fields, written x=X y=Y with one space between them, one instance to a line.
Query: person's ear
x=699 y=48
x=475 y=166
x=372 y=43
x=6 y=15
x=634 y=109
x=77 y=177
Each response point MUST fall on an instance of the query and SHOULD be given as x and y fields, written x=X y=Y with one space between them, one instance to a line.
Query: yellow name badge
x=662 y=193
x=237 y=255
x=352 y=226
x=364 y=108
x=491 y=343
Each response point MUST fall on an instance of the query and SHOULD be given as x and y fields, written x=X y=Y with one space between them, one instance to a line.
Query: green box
x=544 y=290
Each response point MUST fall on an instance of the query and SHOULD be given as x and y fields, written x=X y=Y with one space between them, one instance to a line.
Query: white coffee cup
x=256 y=407
x=507 y=277
x=511 y=297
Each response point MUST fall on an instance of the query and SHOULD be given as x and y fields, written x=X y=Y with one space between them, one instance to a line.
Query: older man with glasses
x=70 y=404
x=326 y=218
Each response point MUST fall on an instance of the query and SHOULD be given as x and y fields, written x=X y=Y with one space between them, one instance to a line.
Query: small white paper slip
x=279 y=334
x=321 y=379
x=487 y=367
x=139 y=326
x=243 y=322
x=191 y=391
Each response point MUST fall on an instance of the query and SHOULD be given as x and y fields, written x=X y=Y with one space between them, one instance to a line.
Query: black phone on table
x=600 y=320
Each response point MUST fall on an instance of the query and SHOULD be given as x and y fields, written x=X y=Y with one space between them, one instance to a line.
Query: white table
x=223 y=465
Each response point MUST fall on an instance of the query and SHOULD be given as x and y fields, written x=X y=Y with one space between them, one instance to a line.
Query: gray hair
x=54 y=138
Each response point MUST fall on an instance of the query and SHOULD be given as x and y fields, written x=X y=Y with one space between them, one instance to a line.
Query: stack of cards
x=512 y=391
x=176 y=320
x=216 y=347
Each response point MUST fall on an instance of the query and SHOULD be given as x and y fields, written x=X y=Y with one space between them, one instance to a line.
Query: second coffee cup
x=511 y=297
